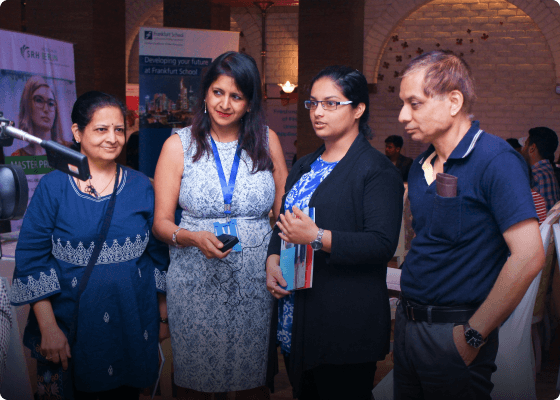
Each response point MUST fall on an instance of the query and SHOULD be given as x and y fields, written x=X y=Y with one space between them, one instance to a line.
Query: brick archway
x=248 y=23
x=382 y=19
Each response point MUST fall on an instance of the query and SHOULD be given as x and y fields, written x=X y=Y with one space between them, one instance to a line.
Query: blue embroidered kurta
x=118 y=322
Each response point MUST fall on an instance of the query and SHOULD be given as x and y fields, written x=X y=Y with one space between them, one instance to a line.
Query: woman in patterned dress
x=115 y=349
x=219 y=309
x=334 y=333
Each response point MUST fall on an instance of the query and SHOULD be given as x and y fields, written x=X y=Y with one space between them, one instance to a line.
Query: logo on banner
x=45 y=54
x=22 y=48
x=148 y=35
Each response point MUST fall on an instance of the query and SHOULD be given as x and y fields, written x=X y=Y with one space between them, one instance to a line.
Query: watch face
x=316 y=245
x=473 y=338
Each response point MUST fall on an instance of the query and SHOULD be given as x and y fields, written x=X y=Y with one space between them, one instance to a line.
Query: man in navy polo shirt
x=458 y=284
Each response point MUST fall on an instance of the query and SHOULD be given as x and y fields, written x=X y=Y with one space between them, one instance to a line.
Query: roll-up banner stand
x=172 y=64
x=38 y=87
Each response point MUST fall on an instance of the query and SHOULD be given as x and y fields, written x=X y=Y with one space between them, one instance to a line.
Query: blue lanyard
x=227 y=188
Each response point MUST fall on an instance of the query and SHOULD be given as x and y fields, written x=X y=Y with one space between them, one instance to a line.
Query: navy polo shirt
x=459 y=248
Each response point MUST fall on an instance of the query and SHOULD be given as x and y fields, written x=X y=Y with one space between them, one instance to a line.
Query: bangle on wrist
x=174 y=238
x=164 y=320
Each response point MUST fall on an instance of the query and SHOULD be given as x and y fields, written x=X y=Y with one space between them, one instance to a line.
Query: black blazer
x=345 y=317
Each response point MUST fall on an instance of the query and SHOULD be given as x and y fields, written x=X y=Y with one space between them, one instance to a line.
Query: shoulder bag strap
x=98 y=244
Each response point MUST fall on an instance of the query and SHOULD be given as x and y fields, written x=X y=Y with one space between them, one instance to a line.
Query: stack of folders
x=296 y=261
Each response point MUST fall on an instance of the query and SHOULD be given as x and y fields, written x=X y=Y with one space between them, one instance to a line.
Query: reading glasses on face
x=327 y=104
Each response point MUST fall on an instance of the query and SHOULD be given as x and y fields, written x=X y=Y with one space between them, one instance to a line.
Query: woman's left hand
x=163 y=331
x=296 y=227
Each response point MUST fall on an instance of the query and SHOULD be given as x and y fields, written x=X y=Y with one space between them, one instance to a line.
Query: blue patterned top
x=118 y=321
x=299 y=196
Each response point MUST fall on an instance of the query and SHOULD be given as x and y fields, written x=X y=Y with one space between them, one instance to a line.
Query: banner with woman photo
x=38 y=85
x=172 y=64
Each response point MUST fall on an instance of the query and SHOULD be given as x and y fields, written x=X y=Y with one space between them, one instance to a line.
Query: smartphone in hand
x=228 y=240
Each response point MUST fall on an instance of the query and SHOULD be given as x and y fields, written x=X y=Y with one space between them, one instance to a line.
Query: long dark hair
x=87 y=104
x=353 y=85
x=252 y=131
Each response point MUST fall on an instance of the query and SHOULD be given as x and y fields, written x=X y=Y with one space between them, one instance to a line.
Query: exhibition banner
x=172 y=64
x=38 y=89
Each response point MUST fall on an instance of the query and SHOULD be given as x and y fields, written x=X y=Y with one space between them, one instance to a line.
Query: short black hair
x=396 y=140
x=546 y=141
x=514 y=143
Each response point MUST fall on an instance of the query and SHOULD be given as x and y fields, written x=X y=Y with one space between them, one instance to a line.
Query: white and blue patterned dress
x=118 y=321
x=220 y=310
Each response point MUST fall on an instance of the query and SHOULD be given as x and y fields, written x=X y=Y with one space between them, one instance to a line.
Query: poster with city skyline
x=172 y=64
x=169 y=90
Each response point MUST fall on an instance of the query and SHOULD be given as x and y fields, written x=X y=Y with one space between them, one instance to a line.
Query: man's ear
x=533 y=148
x=457 y=100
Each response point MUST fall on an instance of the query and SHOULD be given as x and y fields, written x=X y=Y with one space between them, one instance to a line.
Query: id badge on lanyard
x=230 y=226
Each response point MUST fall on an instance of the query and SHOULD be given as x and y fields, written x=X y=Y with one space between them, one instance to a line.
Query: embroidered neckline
x=102 y=198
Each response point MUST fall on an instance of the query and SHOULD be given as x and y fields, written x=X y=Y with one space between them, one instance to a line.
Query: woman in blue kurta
x=115 y=348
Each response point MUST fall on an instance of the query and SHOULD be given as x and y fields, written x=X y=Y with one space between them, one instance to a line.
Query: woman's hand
x=209 y=244
x=54 y=346
x=296 y=227
x=274 y=277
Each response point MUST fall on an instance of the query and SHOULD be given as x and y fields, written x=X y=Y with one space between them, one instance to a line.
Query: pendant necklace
x=90 y=189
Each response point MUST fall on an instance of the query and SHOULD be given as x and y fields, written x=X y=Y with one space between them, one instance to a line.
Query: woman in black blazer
x=341 y=326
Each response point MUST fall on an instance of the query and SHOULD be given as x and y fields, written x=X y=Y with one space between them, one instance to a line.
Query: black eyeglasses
x=329 y=105
x=40 y=101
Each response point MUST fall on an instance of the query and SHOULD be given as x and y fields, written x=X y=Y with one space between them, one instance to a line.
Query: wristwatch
x=317 y=244
x=473 y=337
